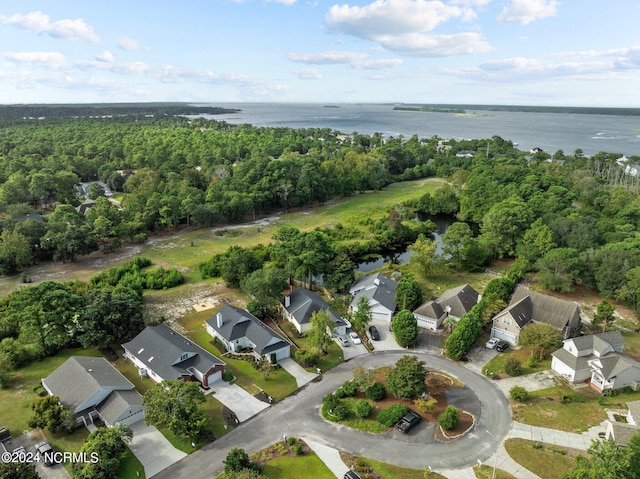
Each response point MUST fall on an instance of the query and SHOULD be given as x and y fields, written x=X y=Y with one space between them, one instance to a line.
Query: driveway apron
x=298 y=372
x=243 y=404
x=152 y=449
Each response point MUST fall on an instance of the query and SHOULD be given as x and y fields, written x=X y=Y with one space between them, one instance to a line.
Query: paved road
x=299 y=415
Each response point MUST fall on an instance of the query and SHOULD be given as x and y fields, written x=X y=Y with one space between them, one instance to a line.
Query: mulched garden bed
x=280 y=448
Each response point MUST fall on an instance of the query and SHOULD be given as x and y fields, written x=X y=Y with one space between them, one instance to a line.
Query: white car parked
x=492 y=343
x=355 y=338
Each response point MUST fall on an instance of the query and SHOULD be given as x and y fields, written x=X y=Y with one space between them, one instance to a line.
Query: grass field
x=286 y=467
x=486 y=472
x=544 y=460
x=496 y=365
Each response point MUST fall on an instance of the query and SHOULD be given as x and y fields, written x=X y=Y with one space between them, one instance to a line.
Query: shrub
x=291 y=441
x=518 y=393
x=376 y=392
x=330 y=401
x=341 y=412
x=392 y=414
x=425 y=405
x=448 y=420
x=363 y=408
x=513 y=366
x=297 y=449
x=307 y=356
x=348 y=389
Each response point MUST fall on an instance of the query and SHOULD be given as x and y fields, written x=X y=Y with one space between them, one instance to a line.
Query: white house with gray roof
x=454 y=303
x=599 y=360
x=162 y=353
x=92 y=388
x=301 y=304
x=240 y=331
x=380 y=291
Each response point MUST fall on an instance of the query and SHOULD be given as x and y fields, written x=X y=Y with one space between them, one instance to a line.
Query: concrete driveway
x=243 y=404
x=387 y=341
x=152 y=449
x=301 y=376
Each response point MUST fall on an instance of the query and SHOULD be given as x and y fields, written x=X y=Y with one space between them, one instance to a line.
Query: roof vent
x=219 y=320
x=141 y=349
x=90 y=370
x=151 y=359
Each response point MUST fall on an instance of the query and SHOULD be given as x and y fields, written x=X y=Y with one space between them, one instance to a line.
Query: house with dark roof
x=528 y=306
x=240 y=331
x=92 y=388
x=454 y=303
x=380 y=291
x=162 y=353
x=301 y=304
x=572 y=360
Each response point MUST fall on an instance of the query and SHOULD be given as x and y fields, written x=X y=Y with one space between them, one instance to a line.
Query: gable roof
x=456 y=301
x=577 y=363
x=117 y=403
x=376 y=287
x=612 y=364
x=160 y=349
x=634 y=411
x=430 y=309
x=238 y=323
x=303 y=303
x=80 y=377
x=527 y=305
x=599 y=343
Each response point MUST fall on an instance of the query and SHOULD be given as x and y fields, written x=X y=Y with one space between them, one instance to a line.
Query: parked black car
x=373 y=331
x=351 y=475
x=408 y=421
x=502 y=346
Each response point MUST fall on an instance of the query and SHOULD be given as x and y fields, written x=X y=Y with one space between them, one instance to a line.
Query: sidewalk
x=552 y=436
x=328 y=455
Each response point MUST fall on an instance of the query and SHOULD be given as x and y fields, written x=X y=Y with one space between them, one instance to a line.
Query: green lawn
x=19 y=395
x=544 y=408
x=544 y=460
x=389 y=471
x=285 y=467
x=486 y=472
x=496 y=365
x=130 y=467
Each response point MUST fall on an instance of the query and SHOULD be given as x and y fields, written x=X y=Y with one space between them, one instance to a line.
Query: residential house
x=301 y=304
x=466 y=154
x=572 y=360
x=622 y=432
x=92 y=388
x=453 y=303
x=161 y=353
x=380 y=291
x=529 y=306
x=240 y=331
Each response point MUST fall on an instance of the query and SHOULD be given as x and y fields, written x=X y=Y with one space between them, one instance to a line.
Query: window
x=506 y=321
x=184 y=356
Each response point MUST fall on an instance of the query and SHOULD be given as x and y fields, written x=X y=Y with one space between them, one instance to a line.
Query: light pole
x=495 y=461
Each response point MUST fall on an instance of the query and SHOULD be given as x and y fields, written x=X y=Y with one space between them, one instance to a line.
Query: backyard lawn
x=309 y=465
x=496 y=365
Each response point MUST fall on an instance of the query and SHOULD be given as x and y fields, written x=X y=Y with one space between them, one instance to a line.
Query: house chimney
x=287 y=301
x=219 y=320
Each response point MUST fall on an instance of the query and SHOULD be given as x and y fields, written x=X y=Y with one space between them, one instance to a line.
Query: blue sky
x=532 y=52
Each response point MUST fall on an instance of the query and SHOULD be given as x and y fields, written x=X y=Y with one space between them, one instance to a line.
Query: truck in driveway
x=408 y=421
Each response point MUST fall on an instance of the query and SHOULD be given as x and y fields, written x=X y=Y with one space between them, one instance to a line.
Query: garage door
x=381 y=316
x=504 y=335
x=132 y=418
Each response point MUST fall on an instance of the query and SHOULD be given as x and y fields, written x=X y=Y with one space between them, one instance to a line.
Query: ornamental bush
x=448 y=420
x=363 y=408
x=376 y=392
x=518 y=393
x=392 y=414
x=513 y=366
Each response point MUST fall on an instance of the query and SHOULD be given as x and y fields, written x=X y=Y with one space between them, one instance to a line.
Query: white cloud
x=130 y=45
x=284 y=2
x=38 y=22
x=428 y=45
x=381 y=64
x=528 y=69
x=52 y=60
x=327 y=58
x=391 y=17
x=308 y=74
x=105 y=56
x=527 y=11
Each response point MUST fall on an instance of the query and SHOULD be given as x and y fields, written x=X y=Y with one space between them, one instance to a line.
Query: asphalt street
x=299 y=415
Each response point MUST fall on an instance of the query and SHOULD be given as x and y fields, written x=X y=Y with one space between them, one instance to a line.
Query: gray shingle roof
x=622 y=433
x=238 y=323
x=613 y=364
x=303 y=303
x=544 y=308
x=160 y=349
x=80 y=377
x=459 y=300
x=377 y=287
x=117 y=403
x=600 y=342
x=577 y=363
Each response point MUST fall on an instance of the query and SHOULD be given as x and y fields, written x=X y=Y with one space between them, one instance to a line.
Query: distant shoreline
x=579 y=110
